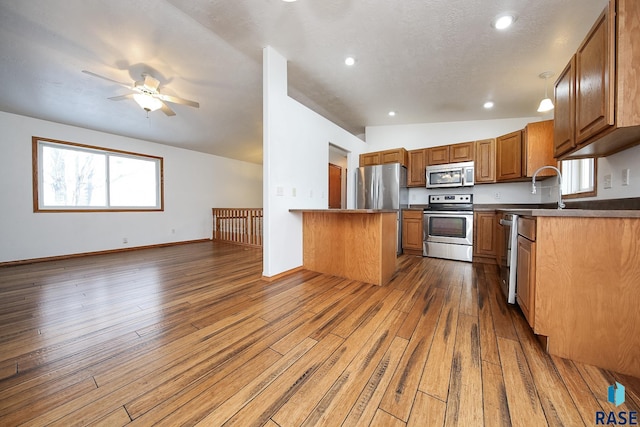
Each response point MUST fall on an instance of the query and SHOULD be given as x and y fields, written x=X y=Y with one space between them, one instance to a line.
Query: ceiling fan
x=147 y=94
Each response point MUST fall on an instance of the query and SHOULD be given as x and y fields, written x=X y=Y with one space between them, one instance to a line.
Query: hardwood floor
x=192 y=335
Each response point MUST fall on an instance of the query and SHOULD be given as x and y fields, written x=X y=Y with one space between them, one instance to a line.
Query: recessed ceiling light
x=289 y=1
x=392 y=113
x=350 y=60
x=503 y=21
x=488 y=105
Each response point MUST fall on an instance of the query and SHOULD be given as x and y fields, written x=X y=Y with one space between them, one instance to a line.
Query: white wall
x=614 y=165
x=296 y=155
x=194 y=183
x=423 y=135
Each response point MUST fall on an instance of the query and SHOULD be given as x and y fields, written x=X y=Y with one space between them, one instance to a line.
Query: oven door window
x=446 y=226
x=451 y=177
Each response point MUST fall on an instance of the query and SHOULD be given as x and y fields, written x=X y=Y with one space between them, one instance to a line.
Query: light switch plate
x=607 y=181
x=625 y=176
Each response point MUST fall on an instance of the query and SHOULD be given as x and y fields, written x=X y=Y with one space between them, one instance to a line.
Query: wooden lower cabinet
x=578 y=287
x=526 y=278
x=485 y=237
x=412 y=231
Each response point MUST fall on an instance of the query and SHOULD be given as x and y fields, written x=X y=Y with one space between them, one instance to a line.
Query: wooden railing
x=241 y=226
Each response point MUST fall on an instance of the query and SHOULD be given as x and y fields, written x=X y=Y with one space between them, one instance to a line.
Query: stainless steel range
x=448 y=227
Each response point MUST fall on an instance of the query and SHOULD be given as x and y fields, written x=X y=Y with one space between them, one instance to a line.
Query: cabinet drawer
x=527 y=228
x=412 y=214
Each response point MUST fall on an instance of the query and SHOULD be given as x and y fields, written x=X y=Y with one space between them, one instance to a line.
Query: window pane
x=132 y=182
x=85 y=178
x=72 y=177
x=578 y=176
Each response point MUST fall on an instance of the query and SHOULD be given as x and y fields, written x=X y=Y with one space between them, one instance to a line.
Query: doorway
x=337 y=178
x=335 y=186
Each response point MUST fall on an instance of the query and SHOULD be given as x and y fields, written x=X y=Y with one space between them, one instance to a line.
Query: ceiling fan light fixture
x=147 y=102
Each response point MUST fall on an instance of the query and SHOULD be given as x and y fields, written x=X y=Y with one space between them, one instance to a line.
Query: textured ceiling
x=429 y=60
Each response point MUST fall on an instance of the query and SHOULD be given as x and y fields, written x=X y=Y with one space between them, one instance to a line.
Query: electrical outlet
x=293 y=192
x=125 y=240
x=496 y=195
x=279 y=191
x=625 y=176
x=607 y=181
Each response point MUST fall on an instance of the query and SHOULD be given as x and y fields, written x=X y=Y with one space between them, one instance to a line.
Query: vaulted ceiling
x=428 y=60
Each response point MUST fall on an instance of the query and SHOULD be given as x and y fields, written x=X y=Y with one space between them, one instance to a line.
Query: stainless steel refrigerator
x=383 y=187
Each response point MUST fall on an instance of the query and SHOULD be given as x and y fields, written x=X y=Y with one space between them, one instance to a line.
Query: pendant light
x=546 y=104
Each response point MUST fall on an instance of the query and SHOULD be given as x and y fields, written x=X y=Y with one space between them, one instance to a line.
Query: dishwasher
x=509 y=258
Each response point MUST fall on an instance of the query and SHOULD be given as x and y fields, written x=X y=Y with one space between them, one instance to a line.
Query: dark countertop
x=582 y=213
x=346 y=211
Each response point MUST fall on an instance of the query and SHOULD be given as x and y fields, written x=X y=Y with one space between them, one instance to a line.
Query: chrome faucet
x=533 y=183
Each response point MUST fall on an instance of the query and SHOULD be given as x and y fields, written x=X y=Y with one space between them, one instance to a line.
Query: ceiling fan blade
x=122 y=97
x=177 y=100
x=150 y=82
x=168 y=111
x=128 y=86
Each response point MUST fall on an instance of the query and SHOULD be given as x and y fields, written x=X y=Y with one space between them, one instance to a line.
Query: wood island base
x=354 y=244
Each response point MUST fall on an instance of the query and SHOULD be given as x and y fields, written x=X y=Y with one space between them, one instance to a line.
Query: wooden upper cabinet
x=485 y=161
x=397 y=155
x=509 y=156
x=438 y=155
x=537 y=145
x=416 y=176
x=370 y=159
x=462 y=152
x=595 y=74
x=564 y=112
x=606 y=111
x=519 y=154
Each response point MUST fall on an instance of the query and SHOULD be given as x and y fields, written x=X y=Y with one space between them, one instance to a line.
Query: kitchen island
x=358 y=244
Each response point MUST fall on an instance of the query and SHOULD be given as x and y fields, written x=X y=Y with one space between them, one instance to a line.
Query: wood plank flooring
x=192 y=335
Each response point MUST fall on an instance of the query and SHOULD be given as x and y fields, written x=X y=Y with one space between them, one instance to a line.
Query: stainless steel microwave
x=450 y=175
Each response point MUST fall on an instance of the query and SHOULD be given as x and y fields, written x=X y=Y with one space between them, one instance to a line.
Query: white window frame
x=38 y=187
x=578 y=179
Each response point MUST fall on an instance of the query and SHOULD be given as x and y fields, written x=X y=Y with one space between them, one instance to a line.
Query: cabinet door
x=484 y=227
x=462 y=152
x=438 y=155
x=485 y=161
x=370 y=159
x=537 y=145
x=526 y=278
x=416 y=176
x=394 y=156
x=595 y=79
x=564 y=112
x=509 y=156
x=412 y=230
